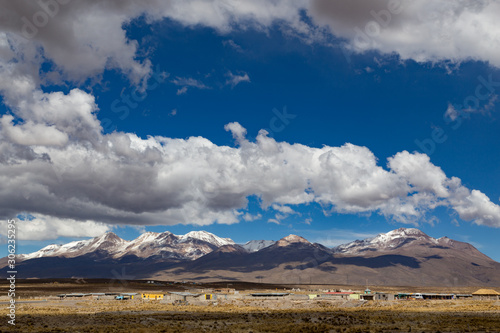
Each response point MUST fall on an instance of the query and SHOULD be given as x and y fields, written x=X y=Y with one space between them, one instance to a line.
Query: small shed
x=486 y=294
x=339 y=294
x=152 y=296
x=367 y=297
x=128 y=295
x=270 y=295
x=182 y=296
x=383 y=297
x=355 y=296
x=77 y=295
x=377 y=296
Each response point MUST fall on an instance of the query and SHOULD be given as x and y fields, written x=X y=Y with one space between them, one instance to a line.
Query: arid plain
x=240 y=315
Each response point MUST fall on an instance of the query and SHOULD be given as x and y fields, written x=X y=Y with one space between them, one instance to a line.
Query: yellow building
x=152 y=296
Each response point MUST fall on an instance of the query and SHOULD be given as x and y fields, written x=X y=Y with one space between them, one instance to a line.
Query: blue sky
x=148 y=119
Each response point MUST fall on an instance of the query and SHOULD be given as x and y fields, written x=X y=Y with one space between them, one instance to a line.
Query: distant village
x=212 y=295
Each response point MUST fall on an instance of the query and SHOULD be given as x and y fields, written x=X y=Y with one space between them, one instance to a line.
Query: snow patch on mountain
x=47 y=251
x=385 y=242
x=207 y=237
x=257 y=245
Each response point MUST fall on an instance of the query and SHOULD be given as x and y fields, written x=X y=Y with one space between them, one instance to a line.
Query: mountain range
x=149 y=245
x=404 y=257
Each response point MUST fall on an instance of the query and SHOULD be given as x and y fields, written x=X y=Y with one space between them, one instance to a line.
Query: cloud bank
x=120 y=178
x=69 y=35
x=56 y=164
x=425 y=31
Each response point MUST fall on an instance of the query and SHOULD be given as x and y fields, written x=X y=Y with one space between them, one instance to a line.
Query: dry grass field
x=303 y=316
x=238 y=315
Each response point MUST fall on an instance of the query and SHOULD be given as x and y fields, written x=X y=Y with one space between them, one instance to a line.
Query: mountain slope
x=411 y=242
x=399 y=257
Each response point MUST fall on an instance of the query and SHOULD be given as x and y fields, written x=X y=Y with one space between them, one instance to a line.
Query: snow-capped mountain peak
x=55 y=250
x=107 y=240
x=207 y=237
x=405 y=232
x=146 y=237
x=386 y=241
x=49 y=250
x=401 y=233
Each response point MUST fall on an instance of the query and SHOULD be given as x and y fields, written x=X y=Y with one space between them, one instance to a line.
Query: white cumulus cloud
x=120 y=178
x=426 y=30
x=56 y=163
x=47 y=227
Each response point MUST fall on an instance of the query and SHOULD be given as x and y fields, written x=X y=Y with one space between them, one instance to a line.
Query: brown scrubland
x=255 y=316
x=243 y=315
